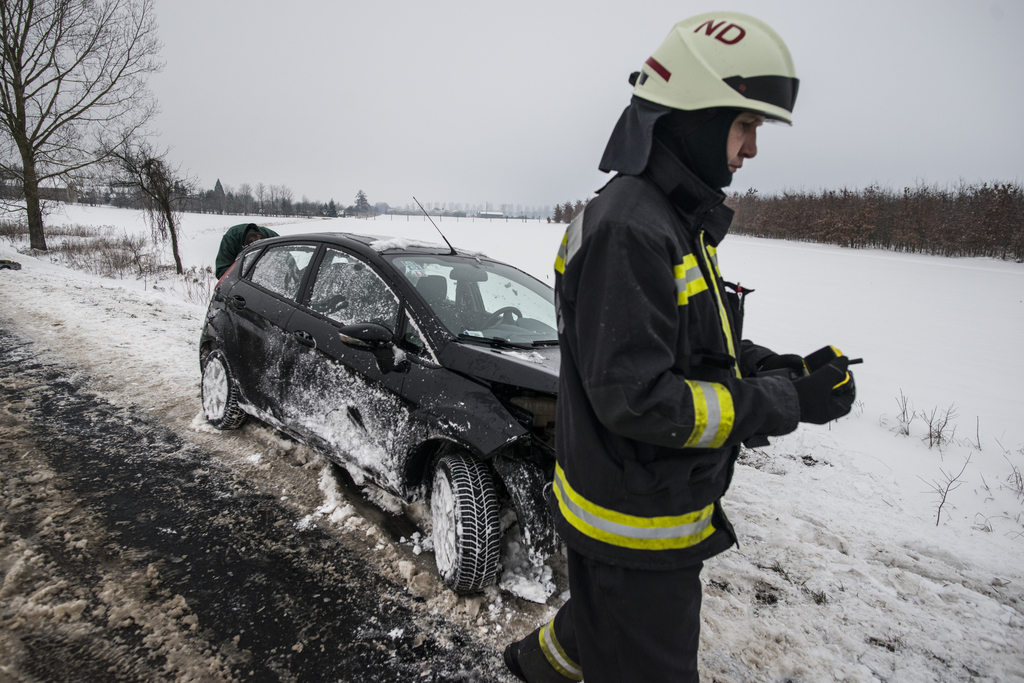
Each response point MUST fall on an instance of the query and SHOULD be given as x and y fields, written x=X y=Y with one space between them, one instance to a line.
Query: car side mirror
x=378 y=340
x=366 y=336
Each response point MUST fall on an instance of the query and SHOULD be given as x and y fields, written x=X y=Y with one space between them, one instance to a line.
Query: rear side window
x=248 y=259
x=280 y=269
x=349 y=291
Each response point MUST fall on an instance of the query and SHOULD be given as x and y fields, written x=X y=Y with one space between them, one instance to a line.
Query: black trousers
x=623 y=625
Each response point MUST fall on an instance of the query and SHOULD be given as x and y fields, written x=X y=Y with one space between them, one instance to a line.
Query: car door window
x=280 y=269
x=248 y=259
x=412 y=339
x=347 y=290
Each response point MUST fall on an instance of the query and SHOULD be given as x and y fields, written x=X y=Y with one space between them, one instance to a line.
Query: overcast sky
x=470 y=101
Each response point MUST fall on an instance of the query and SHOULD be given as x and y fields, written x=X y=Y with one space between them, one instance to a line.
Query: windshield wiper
x=495 y=342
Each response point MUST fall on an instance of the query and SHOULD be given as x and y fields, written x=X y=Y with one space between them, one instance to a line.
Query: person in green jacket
x=237 y=238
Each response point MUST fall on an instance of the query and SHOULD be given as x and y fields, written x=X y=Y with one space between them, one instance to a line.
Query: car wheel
x=220 y=394
x=464 y=510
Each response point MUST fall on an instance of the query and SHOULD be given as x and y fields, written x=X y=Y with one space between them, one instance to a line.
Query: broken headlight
x=542 y=408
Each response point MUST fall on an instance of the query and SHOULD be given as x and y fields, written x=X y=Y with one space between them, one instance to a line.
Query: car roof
x=382 y=244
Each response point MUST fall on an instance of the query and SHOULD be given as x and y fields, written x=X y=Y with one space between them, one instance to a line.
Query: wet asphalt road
x=158 y=563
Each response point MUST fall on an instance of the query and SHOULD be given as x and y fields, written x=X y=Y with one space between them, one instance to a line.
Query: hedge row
x=968 y=220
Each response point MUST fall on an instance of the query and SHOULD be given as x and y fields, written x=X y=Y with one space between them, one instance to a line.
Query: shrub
x=967 y=220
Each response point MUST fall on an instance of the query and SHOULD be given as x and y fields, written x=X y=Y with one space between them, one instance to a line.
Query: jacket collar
x=700 y=205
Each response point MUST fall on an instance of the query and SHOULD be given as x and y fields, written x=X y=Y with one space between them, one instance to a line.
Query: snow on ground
x=847 y=569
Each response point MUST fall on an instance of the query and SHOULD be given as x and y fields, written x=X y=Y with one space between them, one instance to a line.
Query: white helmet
x=721 y=59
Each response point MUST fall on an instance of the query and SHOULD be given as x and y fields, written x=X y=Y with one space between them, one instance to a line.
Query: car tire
x=467 y=534
x=220 y=393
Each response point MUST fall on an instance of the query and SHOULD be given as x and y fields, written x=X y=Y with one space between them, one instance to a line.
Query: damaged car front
x=496 y=326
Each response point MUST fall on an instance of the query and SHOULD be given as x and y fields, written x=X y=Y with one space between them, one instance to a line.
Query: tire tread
x=476 y=509
x=233 y=416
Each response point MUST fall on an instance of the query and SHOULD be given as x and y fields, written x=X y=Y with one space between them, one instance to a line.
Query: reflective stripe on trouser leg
x=555 y=654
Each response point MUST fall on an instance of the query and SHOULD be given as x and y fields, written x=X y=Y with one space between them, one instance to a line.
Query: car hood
x=533 y=369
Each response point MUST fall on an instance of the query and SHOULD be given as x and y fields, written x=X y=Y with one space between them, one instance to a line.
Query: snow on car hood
x=534 y=369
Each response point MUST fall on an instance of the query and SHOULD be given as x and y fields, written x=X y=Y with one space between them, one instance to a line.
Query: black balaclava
x=698 y=138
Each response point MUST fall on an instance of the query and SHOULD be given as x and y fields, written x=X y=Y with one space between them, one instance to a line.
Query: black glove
x=827 y=393
x=821 y=358
x=775 y=362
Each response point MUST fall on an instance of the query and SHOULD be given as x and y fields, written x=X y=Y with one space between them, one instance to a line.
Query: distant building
x=490 y=214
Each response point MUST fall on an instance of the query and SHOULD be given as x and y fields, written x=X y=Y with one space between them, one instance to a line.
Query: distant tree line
x=966 y=220
x=564 y=213
x=259 y=199
x=458 y=209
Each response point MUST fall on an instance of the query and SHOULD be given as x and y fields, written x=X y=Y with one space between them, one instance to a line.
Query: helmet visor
x=779 y=91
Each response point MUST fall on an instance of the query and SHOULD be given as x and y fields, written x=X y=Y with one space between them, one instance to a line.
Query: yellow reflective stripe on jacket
x=711 y=260
x=713 y=414
x=689 y=279
x=570 y=243
x=560 y=258
x=556 y=656
x=629 y=531
x=713 y=254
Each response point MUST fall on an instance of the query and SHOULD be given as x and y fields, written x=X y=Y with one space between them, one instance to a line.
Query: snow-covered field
x=847 y=570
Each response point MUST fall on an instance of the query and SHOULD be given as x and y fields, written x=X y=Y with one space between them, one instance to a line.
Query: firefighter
x=657 y=389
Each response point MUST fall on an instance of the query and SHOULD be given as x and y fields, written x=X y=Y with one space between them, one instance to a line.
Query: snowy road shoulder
x=128 y=553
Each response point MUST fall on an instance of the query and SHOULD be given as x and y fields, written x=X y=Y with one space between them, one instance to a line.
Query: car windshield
x=477 y=299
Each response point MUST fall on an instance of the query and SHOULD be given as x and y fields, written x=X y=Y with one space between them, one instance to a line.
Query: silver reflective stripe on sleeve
x=570 y=242
x=689 y=279
x=713 y=414
x=574 y=236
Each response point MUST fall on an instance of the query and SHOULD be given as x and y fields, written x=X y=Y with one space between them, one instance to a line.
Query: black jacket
x=653 y=402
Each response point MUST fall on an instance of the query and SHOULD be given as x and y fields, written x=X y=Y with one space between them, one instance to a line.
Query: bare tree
x=73 y=72
x=261 y=196
x=273 y=196
x=284 y=196
x=162 y=191
x=245 y=197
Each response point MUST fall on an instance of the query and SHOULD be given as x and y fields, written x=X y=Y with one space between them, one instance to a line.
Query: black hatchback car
x=430 y=372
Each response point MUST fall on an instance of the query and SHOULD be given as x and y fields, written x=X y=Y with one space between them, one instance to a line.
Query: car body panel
x=338 y=398
x=260 y=338
x=461 y=410
x=535 y=369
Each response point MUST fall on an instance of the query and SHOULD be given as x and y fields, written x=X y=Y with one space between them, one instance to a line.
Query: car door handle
x=305 y=338
x=238 y=301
